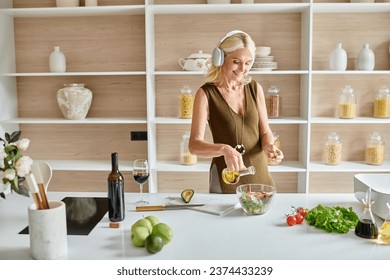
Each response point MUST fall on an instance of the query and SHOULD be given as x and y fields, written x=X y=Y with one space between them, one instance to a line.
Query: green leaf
x=15 y=136
x=332 y=219
x=22 y=190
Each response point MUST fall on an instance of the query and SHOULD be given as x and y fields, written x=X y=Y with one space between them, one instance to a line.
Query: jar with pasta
x=375 y=150
x=347 y=103
x=332 y=150
x=382 y=103
x=186 y=102
x=186 y=157
x=274 y=102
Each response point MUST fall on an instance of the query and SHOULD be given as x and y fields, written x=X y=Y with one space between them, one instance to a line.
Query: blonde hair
x=230 y=44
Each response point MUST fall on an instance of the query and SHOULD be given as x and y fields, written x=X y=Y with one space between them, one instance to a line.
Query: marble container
x=48 y=232
x=74 y=101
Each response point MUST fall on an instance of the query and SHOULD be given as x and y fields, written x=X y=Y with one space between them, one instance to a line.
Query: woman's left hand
x=274 y=154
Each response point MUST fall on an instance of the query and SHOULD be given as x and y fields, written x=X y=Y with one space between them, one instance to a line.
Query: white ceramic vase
x=68 y=3
x=338 y=58
x=48 y=232
x=366 y=59
x=57 y=61
x=74 y=101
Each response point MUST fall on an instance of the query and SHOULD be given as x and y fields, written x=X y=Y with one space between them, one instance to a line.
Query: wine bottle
x=116 y=198
x=232 y=177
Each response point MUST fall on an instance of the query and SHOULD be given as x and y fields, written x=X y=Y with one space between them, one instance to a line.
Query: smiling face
x=236 y=65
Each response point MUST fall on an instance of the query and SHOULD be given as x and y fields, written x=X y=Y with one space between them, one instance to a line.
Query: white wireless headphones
x=218 y=55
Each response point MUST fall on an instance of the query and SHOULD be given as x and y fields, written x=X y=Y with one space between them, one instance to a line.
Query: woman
x=234 y=107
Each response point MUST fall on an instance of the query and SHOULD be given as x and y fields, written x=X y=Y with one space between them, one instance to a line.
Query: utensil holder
x=47 y=230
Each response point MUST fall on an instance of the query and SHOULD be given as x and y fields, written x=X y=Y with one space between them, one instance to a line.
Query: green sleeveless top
x=223 y=129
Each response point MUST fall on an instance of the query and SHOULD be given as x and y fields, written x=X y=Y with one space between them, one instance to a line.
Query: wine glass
x=141 y=175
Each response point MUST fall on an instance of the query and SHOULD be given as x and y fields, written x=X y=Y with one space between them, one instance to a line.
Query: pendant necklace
x=239 y=147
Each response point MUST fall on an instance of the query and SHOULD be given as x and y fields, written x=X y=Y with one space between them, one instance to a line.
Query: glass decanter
x=366 y=227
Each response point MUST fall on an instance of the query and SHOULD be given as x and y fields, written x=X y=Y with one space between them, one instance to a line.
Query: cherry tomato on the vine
x=302 y=211
x=291 y=220
x=299 y=218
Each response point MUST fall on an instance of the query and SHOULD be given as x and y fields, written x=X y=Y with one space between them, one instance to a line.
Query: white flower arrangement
x=13 y=165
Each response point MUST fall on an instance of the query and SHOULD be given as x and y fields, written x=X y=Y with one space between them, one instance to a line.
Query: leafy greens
x=332 y=219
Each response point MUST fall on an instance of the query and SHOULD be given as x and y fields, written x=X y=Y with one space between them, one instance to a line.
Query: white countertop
x=199 y=236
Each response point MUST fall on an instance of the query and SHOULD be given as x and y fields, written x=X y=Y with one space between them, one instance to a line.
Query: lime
x=154 y=243
x=164 y=231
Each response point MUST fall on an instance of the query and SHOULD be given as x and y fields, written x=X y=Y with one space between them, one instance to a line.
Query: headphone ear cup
x=218 y=57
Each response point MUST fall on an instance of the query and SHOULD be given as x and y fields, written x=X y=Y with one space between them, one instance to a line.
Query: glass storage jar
x=375 y=150
x=274 y=102
x=186 y=102
x=382 y=103
x=186 y=157
x=347 y=103
x=332 y=150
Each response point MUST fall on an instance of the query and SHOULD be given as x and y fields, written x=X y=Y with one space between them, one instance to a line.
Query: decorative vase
x=338 y=58
x=57 y=61
x=366 y=59
x=68 y=3
x=74 y=101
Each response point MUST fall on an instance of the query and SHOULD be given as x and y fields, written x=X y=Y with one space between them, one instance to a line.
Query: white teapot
x=195 y=62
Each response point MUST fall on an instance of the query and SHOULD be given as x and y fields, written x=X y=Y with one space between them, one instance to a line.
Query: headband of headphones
x=218 y=55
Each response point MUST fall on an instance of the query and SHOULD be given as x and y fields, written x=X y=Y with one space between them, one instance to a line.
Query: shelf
x=49 y=74
x=168 y=120
x=87 y=165
x=348 y=166
x=350 y=72
x=274 y=72
x=351 y=7
x=229 y=8
x=75 y=11
x=201 y=166
x=84 y=121
x=358 y=120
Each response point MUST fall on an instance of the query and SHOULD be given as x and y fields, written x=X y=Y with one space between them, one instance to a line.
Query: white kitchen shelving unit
x=309 y=72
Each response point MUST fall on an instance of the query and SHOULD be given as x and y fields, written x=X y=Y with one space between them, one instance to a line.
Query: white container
x=47 y=230
x=338 y=58
x=57 y=61
x=380 y=192
x=218 y=1
x=195 y=62
x=366 y=59
x=68 y=3
x=247 y=1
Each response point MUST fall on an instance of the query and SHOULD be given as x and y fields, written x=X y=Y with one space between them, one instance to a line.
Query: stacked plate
x=263 y=60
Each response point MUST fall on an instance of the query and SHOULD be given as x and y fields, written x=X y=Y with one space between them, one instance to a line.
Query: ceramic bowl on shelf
x=262 y=51
x=265 y=65
x=255 y=199
x=261 y=59
x=195 y=62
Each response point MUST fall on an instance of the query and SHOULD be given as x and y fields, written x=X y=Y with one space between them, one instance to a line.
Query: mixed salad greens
x=332 y=219
x=255 y=203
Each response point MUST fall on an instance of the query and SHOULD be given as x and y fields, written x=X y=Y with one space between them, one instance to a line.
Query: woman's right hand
x=233 y=159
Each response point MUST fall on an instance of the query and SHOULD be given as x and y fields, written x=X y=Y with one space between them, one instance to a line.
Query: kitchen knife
x=165 y=207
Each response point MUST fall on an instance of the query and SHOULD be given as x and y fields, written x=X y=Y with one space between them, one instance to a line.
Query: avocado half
x=187 y=195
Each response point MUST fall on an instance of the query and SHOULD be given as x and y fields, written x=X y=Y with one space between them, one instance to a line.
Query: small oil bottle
x=231 y=177
x=384 y=232
x=366 y=226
